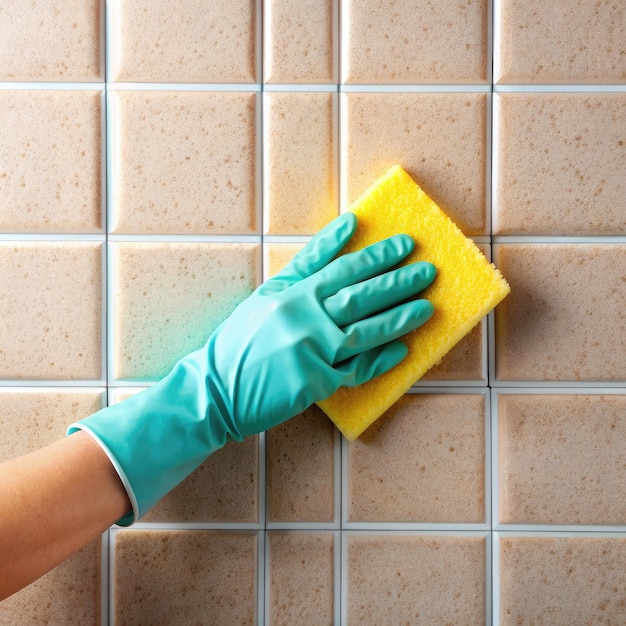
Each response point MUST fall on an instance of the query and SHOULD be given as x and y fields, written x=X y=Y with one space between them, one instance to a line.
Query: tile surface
x=169 y=297
x=561 y=459
x=198 y=42
x=571 y=580
x=186 y=163
x=566 y=42
x=564 y=319
x=300 y=41
x=561 y=164
x=52 y=316
x=300 y=166
x=301 y=578
x=435 y=41
x=50 y=161
x=423 y=461
x=415 y=579
x=300 y=469
x=185 y=577
x=44 y=40
x=437 y=138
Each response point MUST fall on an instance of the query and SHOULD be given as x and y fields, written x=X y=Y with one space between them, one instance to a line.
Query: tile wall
x=158 y=160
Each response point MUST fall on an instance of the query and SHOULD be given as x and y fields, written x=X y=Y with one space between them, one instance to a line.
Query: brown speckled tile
x=44 y=40
x=562 y=580
x=438 y=138
x=415 y=579
x=50 y=161
x=301 y=578
x=300 y=469
x=566 y=42
x=32 y=418
x=225 y=488
x=69 y=594
x=185 y=577
x=561 y=459
x=186 y=163
x=423 y=461
x=300 y=166
x=561 y=163
x=565 y=318
x=435 y=41
x=300 y=41
x=169 y=297
x=51 y=310
x=191 y=42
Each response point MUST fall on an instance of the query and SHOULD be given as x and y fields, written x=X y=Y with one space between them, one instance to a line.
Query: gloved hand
x=316 y=326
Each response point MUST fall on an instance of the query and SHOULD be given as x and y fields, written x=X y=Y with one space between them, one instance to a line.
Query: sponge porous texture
x=466 y=288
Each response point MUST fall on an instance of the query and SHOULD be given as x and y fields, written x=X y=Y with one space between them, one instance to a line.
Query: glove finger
x=318 y=252
x=359 y=301
x=367 y=365
x=355 y=267
x=384 y=327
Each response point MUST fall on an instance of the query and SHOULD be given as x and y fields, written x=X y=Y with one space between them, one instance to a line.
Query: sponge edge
x=466 y=288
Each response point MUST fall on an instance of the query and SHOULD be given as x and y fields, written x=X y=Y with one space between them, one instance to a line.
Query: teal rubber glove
x=320 y=324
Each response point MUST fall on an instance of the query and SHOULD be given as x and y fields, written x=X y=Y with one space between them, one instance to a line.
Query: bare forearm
x=52 y=503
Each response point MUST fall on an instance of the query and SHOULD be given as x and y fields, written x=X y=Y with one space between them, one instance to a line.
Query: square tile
x=438 y=138
x=567 y=42
x=169 y=298
x=52 y=316
x=32 y=418
x=410 y=579
x=44 y=40
x=185 y=163
x=561 y=163
x=423 y=461
x=300 y=41
x=301 y=578
x=566 y=580
x=564 y=319
x=301 y=469
x=51 y=156
x=561 y=459
x=277 y=255
x=68 y=594
x=437 y=41
x=193 y=42
x=300 y=162
x=185 y=577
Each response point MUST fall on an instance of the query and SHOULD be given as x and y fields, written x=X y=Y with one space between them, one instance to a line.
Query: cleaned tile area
x=158 y=160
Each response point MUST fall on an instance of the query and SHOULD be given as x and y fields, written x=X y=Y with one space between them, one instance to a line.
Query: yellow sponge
x=466 y=288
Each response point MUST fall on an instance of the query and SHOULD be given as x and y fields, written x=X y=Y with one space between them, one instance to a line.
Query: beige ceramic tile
x=434 y=41
x=300 y=469
x=301 y=578
x=185 y=577
x=169 y=297
x=561 y=459
x=423 y=461
x=413 y=579
x=32 y=418
x=562 y=580
x=300 y=41
x=277 y=255
x=51 y=310
x=300 y=165
x=569 y=42
x=185 y=163
x=69 y=594
x=191 y=42
x=438 y=138
x=44 y=40
x=560 y=166
x=565 y=318
x=50 y=161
